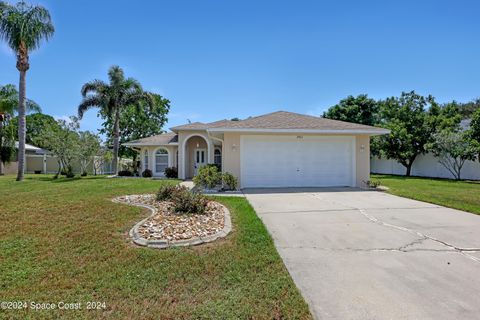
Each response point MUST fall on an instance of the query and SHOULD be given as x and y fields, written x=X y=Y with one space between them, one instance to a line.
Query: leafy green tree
x=468 y=109
x=413 y=120
x=63 y=142
x=453 y=148
x=111 y=98
x=359 y=109
x=88 y=147
x=23 y=27
x=37 y=123
x=137 y=122
x=474 y=130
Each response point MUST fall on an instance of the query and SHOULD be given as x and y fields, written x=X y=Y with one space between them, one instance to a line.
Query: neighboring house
x=427 y=165
x=38 y=160
x=280 y=149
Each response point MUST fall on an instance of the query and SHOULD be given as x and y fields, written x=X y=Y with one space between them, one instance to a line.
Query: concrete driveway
x=370 y=255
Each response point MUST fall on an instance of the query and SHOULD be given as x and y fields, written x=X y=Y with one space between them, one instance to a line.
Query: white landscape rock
x=165 y=228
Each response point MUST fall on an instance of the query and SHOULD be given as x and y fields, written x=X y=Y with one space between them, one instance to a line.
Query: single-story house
x=279 y=149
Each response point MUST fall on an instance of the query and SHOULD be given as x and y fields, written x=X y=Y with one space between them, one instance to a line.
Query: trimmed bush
x=230 y=182
x=147 y=173
x=208 y=177
x=125 y=173
x=171 y=172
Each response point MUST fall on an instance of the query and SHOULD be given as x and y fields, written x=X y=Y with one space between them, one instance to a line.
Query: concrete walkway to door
x=370 y=255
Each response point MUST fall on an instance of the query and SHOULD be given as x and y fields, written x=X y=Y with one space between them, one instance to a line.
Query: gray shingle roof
x=290 y=121
x=160 y=139
x=280 y=120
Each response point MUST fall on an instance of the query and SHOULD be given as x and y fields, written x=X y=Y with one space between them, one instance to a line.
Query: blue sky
x=224 y=59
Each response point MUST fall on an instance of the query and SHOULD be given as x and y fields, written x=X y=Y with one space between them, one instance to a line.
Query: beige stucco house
x=279 y=149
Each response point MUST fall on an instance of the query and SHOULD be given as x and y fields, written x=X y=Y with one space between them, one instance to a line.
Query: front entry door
x=200 y=160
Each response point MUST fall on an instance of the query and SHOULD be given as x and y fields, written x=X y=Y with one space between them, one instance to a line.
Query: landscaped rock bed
x=166 y=228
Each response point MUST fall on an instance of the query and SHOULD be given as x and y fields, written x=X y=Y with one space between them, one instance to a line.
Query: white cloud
x=62 y=117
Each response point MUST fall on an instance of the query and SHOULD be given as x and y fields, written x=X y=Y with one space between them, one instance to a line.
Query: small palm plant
x=23 y=27
x=111 y=98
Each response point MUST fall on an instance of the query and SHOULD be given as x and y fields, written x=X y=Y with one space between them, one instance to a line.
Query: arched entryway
x=196 y=153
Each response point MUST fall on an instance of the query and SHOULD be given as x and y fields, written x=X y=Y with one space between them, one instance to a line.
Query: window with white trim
x=145 y=160
x=217 y=157
x=161 y=160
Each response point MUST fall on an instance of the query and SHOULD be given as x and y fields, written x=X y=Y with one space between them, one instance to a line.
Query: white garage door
x=297 y=161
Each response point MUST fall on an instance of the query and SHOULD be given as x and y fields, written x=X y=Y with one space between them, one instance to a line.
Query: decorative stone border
x=162 y=244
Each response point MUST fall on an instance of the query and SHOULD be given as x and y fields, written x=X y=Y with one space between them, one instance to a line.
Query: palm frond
x=88 y=103
x=25 y=25
x=95 y=86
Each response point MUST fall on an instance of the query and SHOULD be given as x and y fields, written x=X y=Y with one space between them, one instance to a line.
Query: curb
x=163 y=244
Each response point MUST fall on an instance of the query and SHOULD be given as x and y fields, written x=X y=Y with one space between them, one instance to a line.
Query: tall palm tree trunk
x=116 y=140
x=21 y=125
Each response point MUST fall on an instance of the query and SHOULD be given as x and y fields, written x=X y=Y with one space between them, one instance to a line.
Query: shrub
x=208 y=177
x=183 y=200
x=147 y=173
x=84 y=174
x=125 y=173
x=190 y=203
x=171 y=172
x=230 y=182
x=372 y=183
x=168 y=192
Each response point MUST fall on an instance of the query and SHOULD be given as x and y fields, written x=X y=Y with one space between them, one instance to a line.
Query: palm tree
x=8 y=109
x=23 y=27
x=111 y=98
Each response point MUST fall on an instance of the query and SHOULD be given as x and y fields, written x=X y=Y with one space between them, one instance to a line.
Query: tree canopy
x=359 y=109
x=413 y=120
x=137 y=122
x=37 y=124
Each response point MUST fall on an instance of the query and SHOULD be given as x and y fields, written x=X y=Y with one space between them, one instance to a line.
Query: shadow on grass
x=63 y=179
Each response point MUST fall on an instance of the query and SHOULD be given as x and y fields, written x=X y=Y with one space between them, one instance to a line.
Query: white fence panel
x=424 y=166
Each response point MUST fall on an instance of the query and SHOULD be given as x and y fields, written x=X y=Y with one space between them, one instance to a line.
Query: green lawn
x=64 y=240
x=463 y=195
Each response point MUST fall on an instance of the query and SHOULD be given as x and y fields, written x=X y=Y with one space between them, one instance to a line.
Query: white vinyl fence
x=424 y=166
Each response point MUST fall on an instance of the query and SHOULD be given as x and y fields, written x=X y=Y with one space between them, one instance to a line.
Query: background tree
x=63 y=142
x=468 y=109
x=137 y=122
x=88 y=147
x=474 y=130
x=23 y=27
x=7 y=143
x=103 y=157
x=413 y=120
x=37 y=123
x=359 y=109
x=8 y=130
x=453 y=148
x=112 y=98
